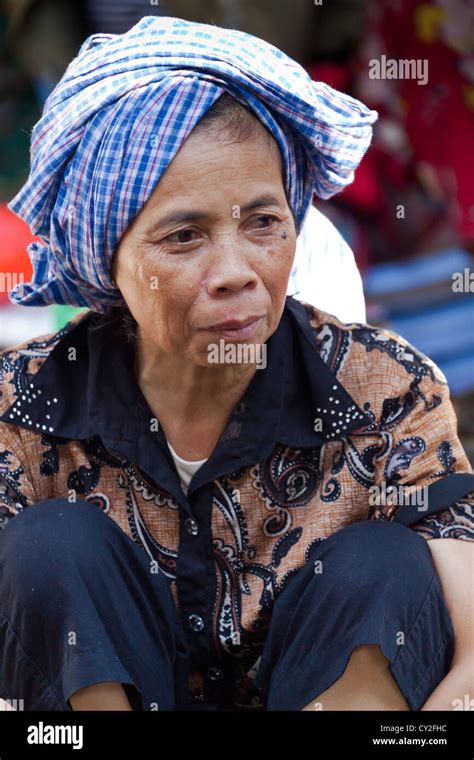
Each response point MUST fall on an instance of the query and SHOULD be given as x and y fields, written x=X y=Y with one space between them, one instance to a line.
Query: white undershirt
x=186 y=469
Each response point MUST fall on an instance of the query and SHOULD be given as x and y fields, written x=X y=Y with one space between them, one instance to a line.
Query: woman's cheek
x=151 y=279
x=279 y=259
x=168 y=292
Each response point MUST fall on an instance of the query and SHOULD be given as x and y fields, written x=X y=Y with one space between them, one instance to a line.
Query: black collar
x=90 y=374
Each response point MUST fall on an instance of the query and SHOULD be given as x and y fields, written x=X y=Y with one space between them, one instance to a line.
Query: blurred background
x=409 y=215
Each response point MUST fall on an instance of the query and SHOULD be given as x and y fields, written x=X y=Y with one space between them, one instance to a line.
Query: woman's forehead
x=204 y=172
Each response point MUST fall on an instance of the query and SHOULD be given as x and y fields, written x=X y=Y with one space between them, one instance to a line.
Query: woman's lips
x=236 y=330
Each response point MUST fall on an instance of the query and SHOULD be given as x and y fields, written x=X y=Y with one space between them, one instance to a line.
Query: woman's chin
x=220 y=351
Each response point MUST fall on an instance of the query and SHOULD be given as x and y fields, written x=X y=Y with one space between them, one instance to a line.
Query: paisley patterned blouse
x=341 y=413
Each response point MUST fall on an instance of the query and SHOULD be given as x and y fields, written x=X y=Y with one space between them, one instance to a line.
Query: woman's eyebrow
x=175 y=217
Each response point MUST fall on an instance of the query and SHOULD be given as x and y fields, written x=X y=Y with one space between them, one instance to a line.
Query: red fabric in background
x=15 y=236
x=439 y=116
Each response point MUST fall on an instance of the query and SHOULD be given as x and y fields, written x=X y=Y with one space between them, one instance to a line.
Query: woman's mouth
x=237 y=329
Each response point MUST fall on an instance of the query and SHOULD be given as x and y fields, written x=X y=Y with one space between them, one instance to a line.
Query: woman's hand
x=454 y=563
x=456 y=690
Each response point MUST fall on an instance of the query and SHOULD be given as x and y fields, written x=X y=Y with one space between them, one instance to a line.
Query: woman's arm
x=454 y=563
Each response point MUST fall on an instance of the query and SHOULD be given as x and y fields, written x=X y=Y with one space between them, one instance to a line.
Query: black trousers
x=79 y=605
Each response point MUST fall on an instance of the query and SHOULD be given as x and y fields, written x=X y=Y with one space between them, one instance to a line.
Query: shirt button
x=196 y=622
x=191 y=526
x=215 y=673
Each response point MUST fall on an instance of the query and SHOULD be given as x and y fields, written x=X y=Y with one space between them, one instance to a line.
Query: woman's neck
x=193 y=403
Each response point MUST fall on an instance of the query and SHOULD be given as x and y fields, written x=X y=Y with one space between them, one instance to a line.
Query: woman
x=209 y=459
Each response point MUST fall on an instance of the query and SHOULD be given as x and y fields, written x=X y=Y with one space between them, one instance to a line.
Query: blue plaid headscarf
x=119 y=115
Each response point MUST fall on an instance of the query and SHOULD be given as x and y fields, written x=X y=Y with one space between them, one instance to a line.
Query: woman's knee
x=38 y=542
x=370 y=550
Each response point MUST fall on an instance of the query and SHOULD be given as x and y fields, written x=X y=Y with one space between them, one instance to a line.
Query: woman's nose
x=231 y=281
x=230 y=270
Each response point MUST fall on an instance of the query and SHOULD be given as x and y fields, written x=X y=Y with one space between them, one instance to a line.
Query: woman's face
x=207 y=248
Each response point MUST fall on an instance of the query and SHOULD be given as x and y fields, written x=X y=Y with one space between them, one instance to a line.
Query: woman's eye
x=266 y=218
x=182 y=237
x=182 y=233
